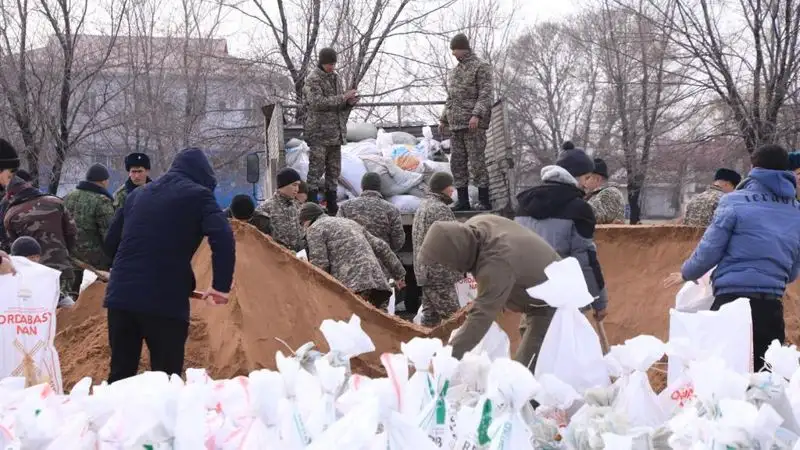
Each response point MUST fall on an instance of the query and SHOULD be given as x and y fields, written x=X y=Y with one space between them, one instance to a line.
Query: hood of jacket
x=20 y=191
x=91 y=187
x=551 y=197
x=451 y=244
x=193 y=164
x=776 y=182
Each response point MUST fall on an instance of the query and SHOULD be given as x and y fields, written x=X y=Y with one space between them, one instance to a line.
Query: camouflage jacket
x=326 y=110
x=351 y=254
x=432 y=209
x=608 y=204
x=259 y=220
x=469 y=93
x=92 y=208
x=122 y=192
x=379 y=217
x=284 y=215
x=44 y=218
x=700 y=209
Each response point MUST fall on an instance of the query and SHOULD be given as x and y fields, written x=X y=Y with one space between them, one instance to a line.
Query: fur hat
x=287 y=176
x=137 y=160
x=731 y=176
x=327 y=56
x=371 y=181
x=9 y=159
x=440 y=181
x=310 y=211
x=97 y=173
x=459 y=42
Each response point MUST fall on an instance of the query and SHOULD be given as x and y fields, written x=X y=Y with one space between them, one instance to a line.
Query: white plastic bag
x=495 y=343
x=437 y=416
x=466 y=290
x=89 y=277
x=293 y=431
x=636 y=398
x=297 y=158
x=419 y=352
x=693 y=297
x=302 y=254
x=346 y=340
x=511 y=387
x=353 y=171
x=27 y=324
x=357 y=132
x=407 y=204
x=394 y=180
x=571 y=349
x=555 y=399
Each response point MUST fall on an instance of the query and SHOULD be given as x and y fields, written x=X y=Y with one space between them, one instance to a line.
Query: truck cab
x=278 y=131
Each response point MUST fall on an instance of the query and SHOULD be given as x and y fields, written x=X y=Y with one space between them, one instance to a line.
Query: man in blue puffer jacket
x=152 y=240
x=754 y=241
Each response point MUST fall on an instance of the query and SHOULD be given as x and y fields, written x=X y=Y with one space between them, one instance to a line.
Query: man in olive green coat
x=92 y=208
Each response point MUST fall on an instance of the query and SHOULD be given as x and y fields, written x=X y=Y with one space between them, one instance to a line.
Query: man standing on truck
x=437 y=282
x=467 y=113
x=138 y=167
x=371 y=211
x=327 y=110
x=348 y=252
x=506 y=259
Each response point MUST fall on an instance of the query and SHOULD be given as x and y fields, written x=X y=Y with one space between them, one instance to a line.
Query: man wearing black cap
x=243 y=208
x=467 y=113
x=327 y=110
x=606 y=201
x=92 y=208
x=138 y=167
x=700 y=209
x=282 y=210
x=557 y=211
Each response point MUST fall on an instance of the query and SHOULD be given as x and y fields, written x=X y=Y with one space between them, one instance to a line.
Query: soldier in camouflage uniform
x=282 y=210
x=371 y=211
x=437 y=282
x=44 y=218
x=700 y=209
x=92 y=208
x=467 y=113
x=243 y=208
x=327 y=110
x=606 y=201
x=138 y=167
x=348 y=252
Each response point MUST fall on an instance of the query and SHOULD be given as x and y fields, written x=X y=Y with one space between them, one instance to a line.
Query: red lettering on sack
x=27 y=330
x=25 y=319
x=682 y=395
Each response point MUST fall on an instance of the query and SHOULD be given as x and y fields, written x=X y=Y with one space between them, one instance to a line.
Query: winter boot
x=313 y=196
x=484 y=201
x=330 y=200
x=463 y=199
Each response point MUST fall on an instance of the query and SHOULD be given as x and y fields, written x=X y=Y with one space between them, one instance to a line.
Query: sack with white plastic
x=511 y=387
x=419 y=352
x=394 y=180
x=403 y=138
x=293 y=431
x=346 y=340
x=726 y=333
x=571 y=349
x=384 y=144
x=407 y=204
x=495 y=343
x=430 y=167
x=693 y=297
x=89 y=277
x=353 y=171
x=466 y=290
x=636 y=398
x=27 y=324
x=357 y=132
x=427 y=145
x=297 y=157
x=437 y=417
x=323 y=412
x=556 y=399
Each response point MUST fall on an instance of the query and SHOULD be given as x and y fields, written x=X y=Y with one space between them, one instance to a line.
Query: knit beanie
x=371 y=181
x=731 y=176
x=600 y=168
x=327 y=56
x=242 y=207
x=97 y=173
x=310 y=211
x=440 y=181
x=137 y=160
x=287 y=176
x=9 y=159
x=794 y=161
x=575 y=160
x=26 y=246
x=459 y=42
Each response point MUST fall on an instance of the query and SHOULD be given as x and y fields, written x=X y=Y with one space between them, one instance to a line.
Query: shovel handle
x=85 y=266
x=601 y=332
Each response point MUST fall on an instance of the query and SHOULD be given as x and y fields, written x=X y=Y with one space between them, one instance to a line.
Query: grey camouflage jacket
x=608 y=204
x=284 y=215
x=701 y=208
x=431 y=210
x=326 y=110
x=469 y=93
x=348 y=252
x=379 y=217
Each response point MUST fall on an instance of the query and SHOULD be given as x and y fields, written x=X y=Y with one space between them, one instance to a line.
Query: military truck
x=278 y=131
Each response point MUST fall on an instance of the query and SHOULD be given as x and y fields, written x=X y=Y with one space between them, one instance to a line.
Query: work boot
x=463 y=200
x=484 y=201
x=313 y=196
x=330 y=200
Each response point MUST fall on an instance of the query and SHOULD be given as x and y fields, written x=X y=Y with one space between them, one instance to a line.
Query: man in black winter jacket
x=152 y=240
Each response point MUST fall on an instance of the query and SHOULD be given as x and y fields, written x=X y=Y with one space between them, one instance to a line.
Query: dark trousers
x=378 y=299
x=76 y=283
x=768 y=325
x=165 y=338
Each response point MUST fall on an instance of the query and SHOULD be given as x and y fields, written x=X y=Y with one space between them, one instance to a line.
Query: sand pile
x=277 y=295
x=274 y=295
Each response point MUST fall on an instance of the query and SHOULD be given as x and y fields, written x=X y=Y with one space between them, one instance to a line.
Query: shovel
x=601 y=333
x=101 y=275
x=197 y=295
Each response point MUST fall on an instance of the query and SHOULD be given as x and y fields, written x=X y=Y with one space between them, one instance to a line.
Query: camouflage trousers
x=324 y=160
x=439 y=303
x=533 y=327
x=468 y=158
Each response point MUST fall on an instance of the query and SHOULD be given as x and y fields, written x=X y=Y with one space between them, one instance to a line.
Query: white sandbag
x=28 y=325
x=407 y=204
x=89 y=277
x=297 y=159
x=636 y=398
x=512 y=385
x=403 y=138
x=466 y=290
x=495 y=343
x=363 y=148
x=394 y=180
x=384 y=143
x=571 y=349
x=435 y=166
x=357 y=132
x=353 y=171
x=726 y=333
x=693 y=297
